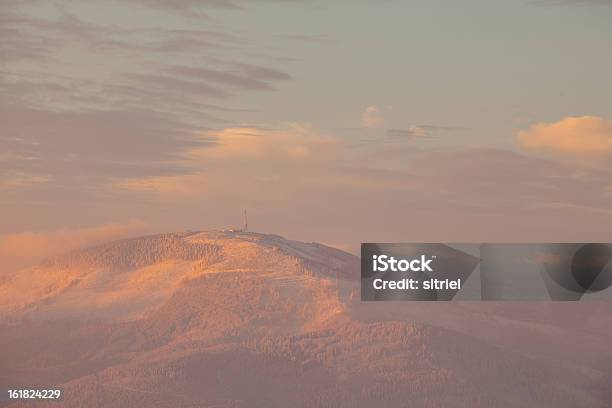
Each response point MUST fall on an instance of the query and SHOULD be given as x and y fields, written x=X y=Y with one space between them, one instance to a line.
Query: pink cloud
x=571 y=136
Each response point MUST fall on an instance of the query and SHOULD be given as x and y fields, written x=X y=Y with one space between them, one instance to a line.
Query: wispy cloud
x=420 y=131
x=115 y=101
x=188 y=8
x=242 y=78
x=92 y=145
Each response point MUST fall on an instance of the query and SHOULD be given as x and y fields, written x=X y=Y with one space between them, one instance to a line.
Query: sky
x=331 y=121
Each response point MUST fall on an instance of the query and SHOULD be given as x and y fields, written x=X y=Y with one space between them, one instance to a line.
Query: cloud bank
x=573 y=136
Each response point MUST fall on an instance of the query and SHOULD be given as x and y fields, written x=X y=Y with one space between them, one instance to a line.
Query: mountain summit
x=127 y=279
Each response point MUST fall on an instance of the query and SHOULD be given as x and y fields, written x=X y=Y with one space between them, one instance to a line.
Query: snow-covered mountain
x=127 y=279
x=235 y=319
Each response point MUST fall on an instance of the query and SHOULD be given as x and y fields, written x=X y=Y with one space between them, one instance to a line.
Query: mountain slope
x=129 y=278
x=217 y=319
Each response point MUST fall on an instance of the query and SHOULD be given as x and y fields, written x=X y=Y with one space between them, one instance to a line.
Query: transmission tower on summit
x=245 y=225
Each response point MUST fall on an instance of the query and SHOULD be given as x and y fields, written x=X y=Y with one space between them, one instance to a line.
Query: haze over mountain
x=237 y=319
